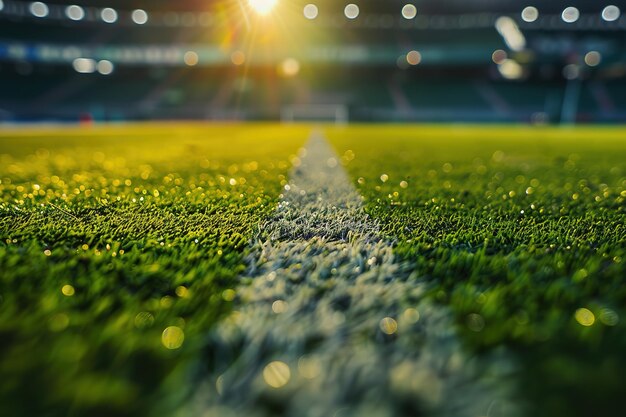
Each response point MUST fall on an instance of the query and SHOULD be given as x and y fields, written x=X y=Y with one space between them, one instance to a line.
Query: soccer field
x=131 y=256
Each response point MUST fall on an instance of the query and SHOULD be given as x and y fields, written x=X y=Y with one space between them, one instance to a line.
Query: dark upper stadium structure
x=540 y=61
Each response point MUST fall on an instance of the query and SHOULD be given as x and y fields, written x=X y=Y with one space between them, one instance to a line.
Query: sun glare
x=262 y=7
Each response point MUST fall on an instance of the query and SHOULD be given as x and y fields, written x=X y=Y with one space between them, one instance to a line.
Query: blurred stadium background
x=539 y=61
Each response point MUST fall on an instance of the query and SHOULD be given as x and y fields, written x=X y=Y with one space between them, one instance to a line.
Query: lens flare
x=262 y=7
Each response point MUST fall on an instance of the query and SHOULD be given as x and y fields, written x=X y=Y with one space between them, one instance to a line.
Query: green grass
x=108 y=236
x=516 y=229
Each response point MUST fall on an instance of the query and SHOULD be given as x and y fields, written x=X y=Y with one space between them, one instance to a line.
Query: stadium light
x=262 y=7
x=530 y=14
x=499 y=56
x=1 y=5
x=409 y=11
x=38 y=9
x=310 y=11
x=593 y=58
x=351 y=11
x=105 y=67
x=511 y=70
x=570 y=14
x=139 y=16
x=511 y=34
x=108 y=15
x=84 y=65
x=611 y=13
x=413 y=58
x=191 y=58
x=74 y=12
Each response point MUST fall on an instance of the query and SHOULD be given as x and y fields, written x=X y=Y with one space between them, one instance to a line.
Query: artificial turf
x=521 y=231
x=110 y=236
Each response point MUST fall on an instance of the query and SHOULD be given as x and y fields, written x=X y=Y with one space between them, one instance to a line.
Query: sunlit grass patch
x=521 y=231
x=117 y=244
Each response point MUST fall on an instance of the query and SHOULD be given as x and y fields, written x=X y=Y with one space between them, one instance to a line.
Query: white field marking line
x=319 y=283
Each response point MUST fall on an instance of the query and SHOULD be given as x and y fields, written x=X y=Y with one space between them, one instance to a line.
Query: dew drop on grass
x=276 y=374
x=182 y=291
x=279 y=306
x=68 y=290
x=309 y=367
x=229 y=295
x=411 y=315
x=475 y=322
x=585 y=317
x=388 y=325
x=173 y=337
x=143 y=320
x=609 y=317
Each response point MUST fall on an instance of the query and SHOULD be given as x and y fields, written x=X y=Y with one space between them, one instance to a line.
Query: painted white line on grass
x=326 y=324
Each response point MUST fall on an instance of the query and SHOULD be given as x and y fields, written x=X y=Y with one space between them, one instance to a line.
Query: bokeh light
x=511 y=33
x=276 y=374
x=351 y=11
x=413 y=58
x=139 y=16
x=68 y=290
x=499 y=56
x=38 y=9
x=238 y=58
x=609 y=317
x=409 y=11
x=585 y=317
x=105 y=67
x=290 y=67
x=388 y=325
x=510 y=69
x=310 y=11
x=279 y=306
x=108 y=15
x=530 y=14
x=84 y=65
x=74 y=12
x=570 y=14
x=191 y=58
x=411 y=316
x=593 y=58
x=309 y=367
x=611 y=13
x=173 y=337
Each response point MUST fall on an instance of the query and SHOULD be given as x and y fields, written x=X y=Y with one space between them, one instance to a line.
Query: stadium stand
x=481 y=61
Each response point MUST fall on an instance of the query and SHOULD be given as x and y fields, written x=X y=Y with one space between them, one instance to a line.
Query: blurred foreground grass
x=521 y=231
x=118 y=250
